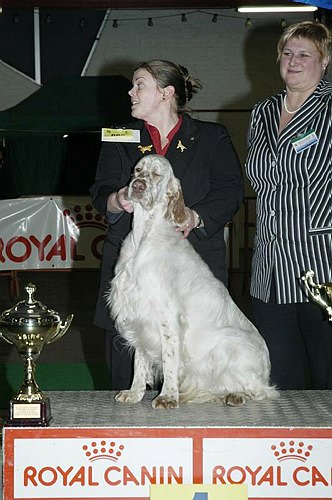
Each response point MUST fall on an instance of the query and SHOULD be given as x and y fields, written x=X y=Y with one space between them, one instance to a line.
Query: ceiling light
x=275 y=9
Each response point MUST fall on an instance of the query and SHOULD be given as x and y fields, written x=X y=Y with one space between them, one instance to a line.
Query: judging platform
x=96 y=448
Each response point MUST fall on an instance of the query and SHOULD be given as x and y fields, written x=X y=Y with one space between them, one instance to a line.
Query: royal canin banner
x=123 y=463
x=50 y=233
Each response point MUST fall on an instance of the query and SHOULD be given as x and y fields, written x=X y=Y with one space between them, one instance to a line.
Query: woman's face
x=145 y=95
x=301 y=66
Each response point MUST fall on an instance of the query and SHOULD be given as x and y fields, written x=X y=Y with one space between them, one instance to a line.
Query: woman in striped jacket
x=289 y=166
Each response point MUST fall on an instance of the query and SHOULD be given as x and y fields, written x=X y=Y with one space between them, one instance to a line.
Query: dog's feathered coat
x=180 y=320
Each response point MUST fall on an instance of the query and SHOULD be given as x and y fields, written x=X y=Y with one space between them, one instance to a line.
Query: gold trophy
x=319 y=293
x=29 y=326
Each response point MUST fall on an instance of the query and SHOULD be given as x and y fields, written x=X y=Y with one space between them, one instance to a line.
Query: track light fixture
x=276 y=9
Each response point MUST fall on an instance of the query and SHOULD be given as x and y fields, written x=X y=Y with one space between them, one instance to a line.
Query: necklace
x=286 y=109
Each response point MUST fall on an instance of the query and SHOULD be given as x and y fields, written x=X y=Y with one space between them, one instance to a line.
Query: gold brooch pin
x=144 y=149
x=181 y=146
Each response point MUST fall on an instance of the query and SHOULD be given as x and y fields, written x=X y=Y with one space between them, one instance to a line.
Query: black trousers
x=119 y=361
x=299 y=338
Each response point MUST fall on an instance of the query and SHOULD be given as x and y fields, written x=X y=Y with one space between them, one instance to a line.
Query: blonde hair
x=314 y=31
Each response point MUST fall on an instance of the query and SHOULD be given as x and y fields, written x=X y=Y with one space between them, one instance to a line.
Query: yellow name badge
x=198 y=492
x=120 y=135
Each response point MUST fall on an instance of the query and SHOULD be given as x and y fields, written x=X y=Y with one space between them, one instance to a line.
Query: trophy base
x=23 y=414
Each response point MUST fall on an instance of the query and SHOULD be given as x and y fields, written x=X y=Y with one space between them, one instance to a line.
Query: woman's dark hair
x=167 y=73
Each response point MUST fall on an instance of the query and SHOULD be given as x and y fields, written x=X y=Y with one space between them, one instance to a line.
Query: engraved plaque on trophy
x=29 y=325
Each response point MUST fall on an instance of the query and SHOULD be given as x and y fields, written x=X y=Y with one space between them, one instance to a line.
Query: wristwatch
x=200 y=222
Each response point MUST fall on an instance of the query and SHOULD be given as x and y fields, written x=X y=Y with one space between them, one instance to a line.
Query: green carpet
x=54 y=377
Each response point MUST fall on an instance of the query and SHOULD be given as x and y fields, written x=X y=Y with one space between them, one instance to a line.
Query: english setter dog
x=180 y=320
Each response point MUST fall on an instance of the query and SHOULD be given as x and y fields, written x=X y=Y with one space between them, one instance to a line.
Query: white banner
x=122 y=463
x=50 y=233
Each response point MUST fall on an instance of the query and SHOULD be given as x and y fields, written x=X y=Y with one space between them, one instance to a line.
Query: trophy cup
x=319 y=293
x=29 y=326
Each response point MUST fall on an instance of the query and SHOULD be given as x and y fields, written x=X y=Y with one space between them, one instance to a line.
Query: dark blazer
x=204 y=159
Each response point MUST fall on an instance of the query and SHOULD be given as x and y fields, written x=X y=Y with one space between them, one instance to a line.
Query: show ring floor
x=96 y=448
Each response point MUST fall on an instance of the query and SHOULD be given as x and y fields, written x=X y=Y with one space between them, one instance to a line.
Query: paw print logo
x=291 y=450
x=86 y=216
x=103 y=450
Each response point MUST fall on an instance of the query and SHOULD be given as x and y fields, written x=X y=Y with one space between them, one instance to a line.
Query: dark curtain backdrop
x=52 y=139
x=37 y=164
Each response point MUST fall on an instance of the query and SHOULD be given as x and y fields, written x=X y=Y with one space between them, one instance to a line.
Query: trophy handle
x=63 y=328
x=4 y=338
x=313 y=288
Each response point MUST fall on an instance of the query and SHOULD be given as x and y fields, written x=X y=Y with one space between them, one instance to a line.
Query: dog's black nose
x=139 y=186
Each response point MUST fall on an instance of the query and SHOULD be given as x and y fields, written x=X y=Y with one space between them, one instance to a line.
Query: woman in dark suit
x=202 y=157
x=289 y=165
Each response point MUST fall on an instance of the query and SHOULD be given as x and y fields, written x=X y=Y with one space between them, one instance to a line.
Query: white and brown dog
x=180 y=320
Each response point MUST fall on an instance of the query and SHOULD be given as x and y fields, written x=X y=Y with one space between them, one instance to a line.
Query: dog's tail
x=267 y=392
x=200 y=396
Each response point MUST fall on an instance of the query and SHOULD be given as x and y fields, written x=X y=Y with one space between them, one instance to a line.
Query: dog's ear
x=175 y=210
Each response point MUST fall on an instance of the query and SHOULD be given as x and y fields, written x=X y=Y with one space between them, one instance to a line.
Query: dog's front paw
x=128 y=397
x=165 y=402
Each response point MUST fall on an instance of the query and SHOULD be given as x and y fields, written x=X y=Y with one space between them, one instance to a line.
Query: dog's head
x=154 y=185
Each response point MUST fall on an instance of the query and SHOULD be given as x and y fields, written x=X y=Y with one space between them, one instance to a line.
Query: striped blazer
x=291 y=175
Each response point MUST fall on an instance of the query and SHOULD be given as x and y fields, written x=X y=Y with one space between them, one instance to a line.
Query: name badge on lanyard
x=304 y=141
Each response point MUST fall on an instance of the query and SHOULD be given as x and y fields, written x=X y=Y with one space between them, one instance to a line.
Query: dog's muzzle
x=138 y=187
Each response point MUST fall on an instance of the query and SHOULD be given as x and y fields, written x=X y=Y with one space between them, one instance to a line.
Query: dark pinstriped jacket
x=212 y=184
x=294 y=195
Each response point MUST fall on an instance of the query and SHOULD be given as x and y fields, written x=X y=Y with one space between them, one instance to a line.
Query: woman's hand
x=118 y=202
x=190 y=222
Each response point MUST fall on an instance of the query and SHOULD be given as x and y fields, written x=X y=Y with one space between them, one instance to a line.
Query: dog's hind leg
x=138 y=387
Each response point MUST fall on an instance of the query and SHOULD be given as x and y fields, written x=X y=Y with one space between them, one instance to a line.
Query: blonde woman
x=289 y=165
